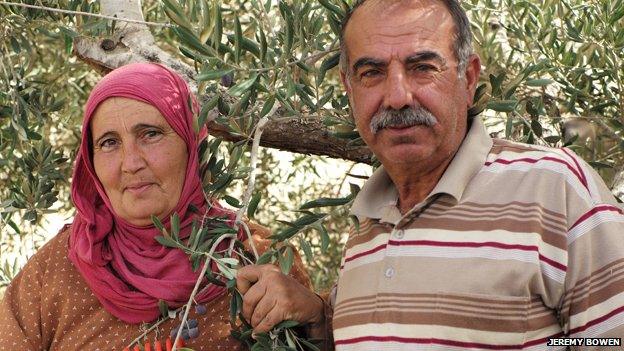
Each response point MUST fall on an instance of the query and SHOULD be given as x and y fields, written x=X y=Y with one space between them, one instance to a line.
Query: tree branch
x=133 y=42
x=300 y=135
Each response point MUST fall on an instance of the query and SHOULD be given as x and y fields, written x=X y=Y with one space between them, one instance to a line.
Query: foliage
x=546 y=63
x=42 y=89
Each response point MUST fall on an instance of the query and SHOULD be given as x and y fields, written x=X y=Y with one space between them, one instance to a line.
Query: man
x=463 y=241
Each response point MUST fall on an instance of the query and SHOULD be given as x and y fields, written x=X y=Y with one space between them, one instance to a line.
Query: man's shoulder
x=506 y=152
x=546 y=166
x=502 y=145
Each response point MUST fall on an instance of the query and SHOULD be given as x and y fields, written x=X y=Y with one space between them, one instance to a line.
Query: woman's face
x=138 y=158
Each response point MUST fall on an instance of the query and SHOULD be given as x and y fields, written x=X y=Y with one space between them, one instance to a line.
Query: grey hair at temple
x=462 y=47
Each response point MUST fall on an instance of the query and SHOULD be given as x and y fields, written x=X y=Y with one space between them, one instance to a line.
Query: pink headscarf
x=127 y=270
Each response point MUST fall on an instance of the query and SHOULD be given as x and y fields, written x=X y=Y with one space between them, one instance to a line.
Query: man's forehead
x=382 y=6
x=379 y=16
x=378 y=24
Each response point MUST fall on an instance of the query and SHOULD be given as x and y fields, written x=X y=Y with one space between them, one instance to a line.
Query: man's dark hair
x=462 y=47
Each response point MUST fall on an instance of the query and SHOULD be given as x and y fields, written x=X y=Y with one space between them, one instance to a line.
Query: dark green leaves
x=238 y=38
x=324 y=202
x=192 y=41
x=286 y=259
x=243 y=86
x=328 y=63
x=253 y=205
x=296 y=226
x=167 y=241
x=210 y=75
x=503 y=105
x=163 y=308
x=335 y=9
x=539 y=82
x=177 y=14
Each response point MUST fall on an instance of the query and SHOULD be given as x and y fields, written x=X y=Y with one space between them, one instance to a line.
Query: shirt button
x=389 y=273
x=399 y=234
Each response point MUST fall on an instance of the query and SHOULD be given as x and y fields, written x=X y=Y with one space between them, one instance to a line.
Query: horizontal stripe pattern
x=530 y=249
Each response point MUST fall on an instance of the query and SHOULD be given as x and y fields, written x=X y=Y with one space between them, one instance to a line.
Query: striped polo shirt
x=515 y=245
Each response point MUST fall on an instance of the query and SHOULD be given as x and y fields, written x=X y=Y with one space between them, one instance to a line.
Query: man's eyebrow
x=368 y=61
x=426 y=56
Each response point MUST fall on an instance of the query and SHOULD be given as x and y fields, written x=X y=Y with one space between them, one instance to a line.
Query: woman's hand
x=270 y=297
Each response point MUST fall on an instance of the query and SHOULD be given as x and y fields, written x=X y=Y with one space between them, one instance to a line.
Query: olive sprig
x=202 y=247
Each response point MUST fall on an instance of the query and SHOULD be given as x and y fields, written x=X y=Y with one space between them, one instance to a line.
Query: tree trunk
x=135 y=43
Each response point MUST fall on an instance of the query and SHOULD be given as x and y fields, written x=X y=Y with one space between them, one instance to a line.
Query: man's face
x=401 y=58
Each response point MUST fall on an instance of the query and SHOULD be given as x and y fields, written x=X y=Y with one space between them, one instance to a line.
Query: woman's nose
x=133 y=158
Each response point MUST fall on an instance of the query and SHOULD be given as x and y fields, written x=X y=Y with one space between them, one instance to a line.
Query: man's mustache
x=405 y=117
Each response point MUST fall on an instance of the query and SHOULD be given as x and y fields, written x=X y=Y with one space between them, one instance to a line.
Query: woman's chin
x=140 y=220
x=140 y=214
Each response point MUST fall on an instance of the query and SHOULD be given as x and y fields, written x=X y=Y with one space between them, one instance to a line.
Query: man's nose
x=398 y=90
x=133 y=158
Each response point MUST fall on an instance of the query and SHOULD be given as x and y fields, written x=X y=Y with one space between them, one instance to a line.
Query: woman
x=98 y=283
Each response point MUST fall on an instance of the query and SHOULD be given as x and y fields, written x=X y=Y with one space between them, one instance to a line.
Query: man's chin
x=406 y=151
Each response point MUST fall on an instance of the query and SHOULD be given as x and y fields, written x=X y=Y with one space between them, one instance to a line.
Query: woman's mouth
x=139 y=188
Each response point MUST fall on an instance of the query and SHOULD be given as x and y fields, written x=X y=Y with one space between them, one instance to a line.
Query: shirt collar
x=378 y=197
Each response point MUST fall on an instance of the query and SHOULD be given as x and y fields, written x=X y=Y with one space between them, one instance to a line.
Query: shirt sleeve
x=593 y=297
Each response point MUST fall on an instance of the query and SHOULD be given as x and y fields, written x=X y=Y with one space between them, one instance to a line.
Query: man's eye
x=370 y=73
x=424 y=68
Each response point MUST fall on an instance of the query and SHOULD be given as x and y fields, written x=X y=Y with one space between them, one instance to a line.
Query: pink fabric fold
x=125 y=267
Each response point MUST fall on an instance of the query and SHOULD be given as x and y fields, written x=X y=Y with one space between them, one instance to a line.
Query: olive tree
x=553 y=75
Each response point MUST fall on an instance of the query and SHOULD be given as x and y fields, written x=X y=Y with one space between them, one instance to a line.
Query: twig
x=252 y=181
x=191 y=299
x=251 y=243
x=528 y=124
x=147 y=331
x=189 y=303
x=344 y=179
x=197 y=284
x=312 y=57
x=70 y=12
x=242 y=255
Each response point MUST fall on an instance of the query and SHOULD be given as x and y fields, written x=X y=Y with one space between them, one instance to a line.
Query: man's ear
x=473 y=70
x=345 y=82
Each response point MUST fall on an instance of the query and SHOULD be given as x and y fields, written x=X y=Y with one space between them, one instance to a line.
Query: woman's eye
x=152 y=133
x=108 y=144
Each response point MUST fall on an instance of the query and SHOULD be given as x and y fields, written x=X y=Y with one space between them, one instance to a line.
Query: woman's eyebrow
x=141 y=126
